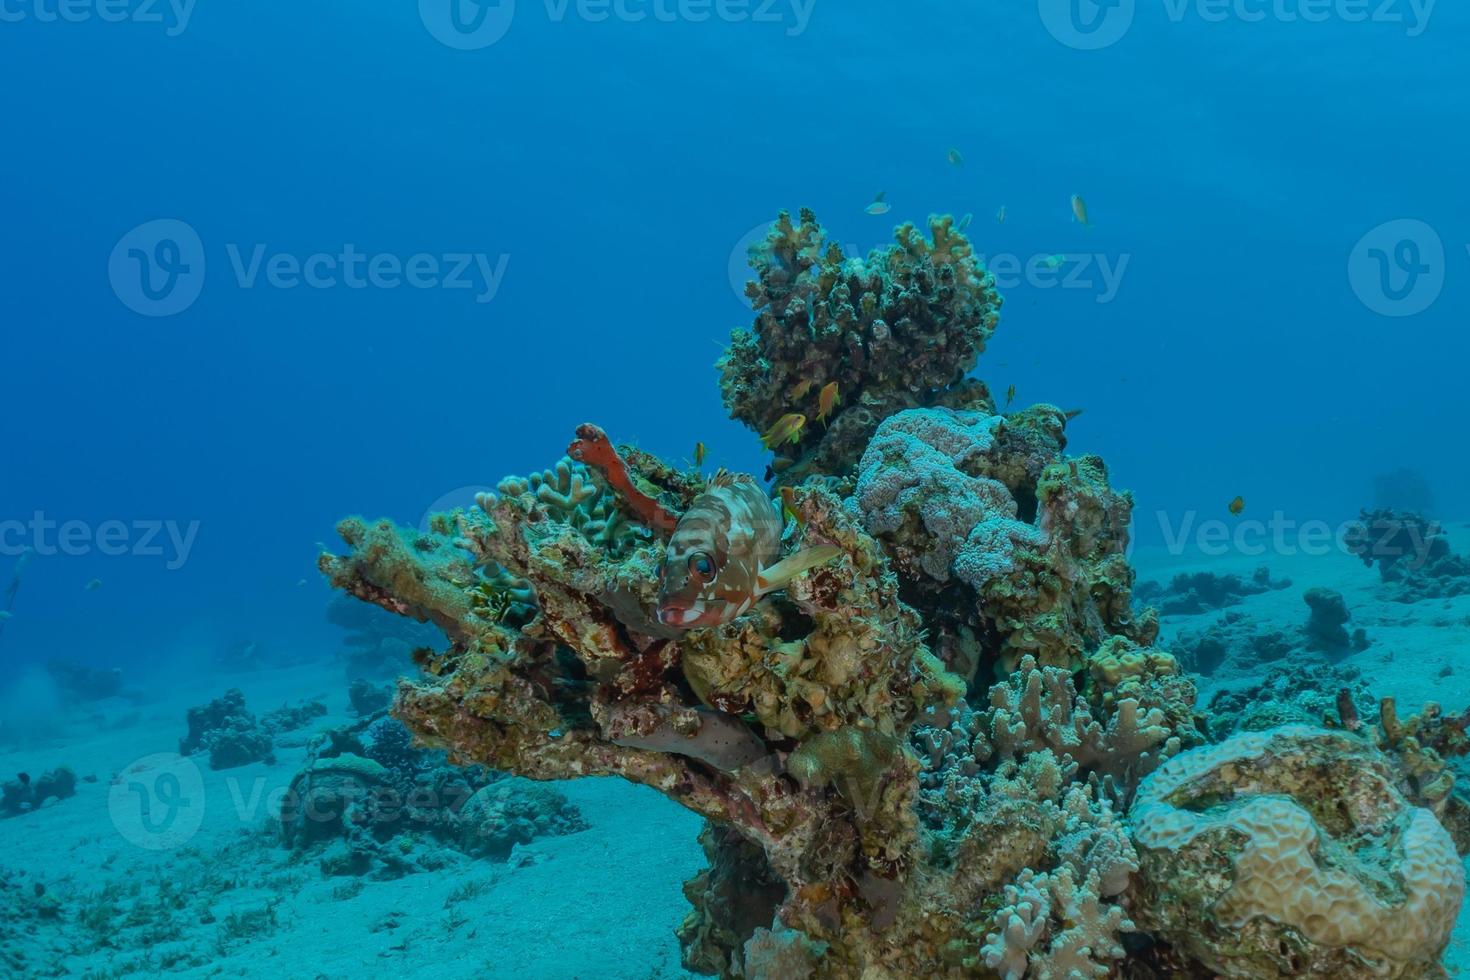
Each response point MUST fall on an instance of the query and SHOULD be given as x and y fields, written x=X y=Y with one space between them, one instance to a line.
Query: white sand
x=602 y=903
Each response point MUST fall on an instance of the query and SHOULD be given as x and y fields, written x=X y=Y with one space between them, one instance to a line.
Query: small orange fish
x=788 y=505
x=788 y=428
x=1010 y=395
x=699 y=454
x=1079 y=210
x=826 y=400
x=799 y=390
x=1237 y=505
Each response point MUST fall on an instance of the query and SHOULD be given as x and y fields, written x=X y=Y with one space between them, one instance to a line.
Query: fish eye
x=701 y=566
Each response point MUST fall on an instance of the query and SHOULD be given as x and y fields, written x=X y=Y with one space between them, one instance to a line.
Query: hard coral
x=1290 y=852
x=898 y=330
x=875 y=807
x=997 y=534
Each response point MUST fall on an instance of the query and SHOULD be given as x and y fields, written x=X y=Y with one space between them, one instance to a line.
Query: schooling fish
x=965 y=222
x=1010 y=395
x=827 y=400
x=788 y=505
x=787 y=429
x=1237 y=506
x=799 y=390
x=699 y=452
x=955 y=157
x=1000 y=216
x=94 y=585
x=879 y=206
x=723 y=555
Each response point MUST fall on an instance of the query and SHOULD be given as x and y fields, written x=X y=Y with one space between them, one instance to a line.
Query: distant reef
x=956 y=750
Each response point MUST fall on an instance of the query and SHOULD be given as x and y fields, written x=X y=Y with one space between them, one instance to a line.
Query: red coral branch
x=593 y=447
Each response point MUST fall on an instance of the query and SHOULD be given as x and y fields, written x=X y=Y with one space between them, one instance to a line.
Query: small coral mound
x=1412 y=553
x=1192 y=593
x=228 y=732
x=24 y=793
x=1326 y=624
x=1000 y=535
x=1291 y=852
x=899 y=329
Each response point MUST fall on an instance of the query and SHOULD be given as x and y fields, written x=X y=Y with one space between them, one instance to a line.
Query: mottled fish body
x=723 y=554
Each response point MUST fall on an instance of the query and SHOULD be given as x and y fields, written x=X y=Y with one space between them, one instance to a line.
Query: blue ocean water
x=1271 y=299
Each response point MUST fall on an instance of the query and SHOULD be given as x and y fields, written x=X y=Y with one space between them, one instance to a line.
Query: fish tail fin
x=779 y=574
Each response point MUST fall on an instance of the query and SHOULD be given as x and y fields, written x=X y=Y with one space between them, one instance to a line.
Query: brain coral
x=1291 y=852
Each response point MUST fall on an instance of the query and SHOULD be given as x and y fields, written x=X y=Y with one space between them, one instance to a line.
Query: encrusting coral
x=914 y=759
x=1291 y=852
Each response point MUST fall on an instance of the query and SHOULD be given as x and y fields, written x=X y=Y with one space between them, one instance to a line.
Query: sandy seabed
x=230 y=900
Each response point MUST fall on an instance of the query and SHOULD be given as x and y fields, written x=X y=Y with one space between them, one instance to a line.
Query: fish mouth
x=676 y=617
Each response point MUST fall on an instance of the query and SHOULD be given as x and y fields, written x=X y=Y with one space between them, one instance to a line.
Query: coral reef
x=24 y=793
x=1291 y=852
x=913 y=760
x=366 y=698
x=899 y=329
x=80 y=683
x=1302 y=690
x=228 y=732
x=369 y=802
x=1235 y=644
x=1326 y=628
x=1192 y=593
x=998 y=536
x=1412 y=554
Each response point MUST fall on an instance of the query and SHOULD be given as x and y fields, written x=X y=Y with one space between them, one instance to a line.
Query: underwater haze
x=267 y=266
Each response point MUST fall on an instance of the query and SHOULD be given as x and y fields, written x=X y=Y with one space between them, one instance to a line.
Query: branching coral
x=899 y=329
x=875 y=808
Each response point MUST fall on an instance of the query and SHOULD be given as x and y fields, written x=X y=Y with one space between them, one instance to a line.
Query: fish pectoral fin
x=788 y=568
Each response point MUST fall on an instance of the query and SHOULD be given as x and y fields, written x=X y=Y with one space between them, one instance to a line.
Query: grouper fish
x=723 y=555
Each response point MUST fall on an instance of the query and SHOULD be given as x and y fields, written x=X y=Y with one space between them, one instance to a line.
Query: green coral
x=899 y=329
x=875 y=806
